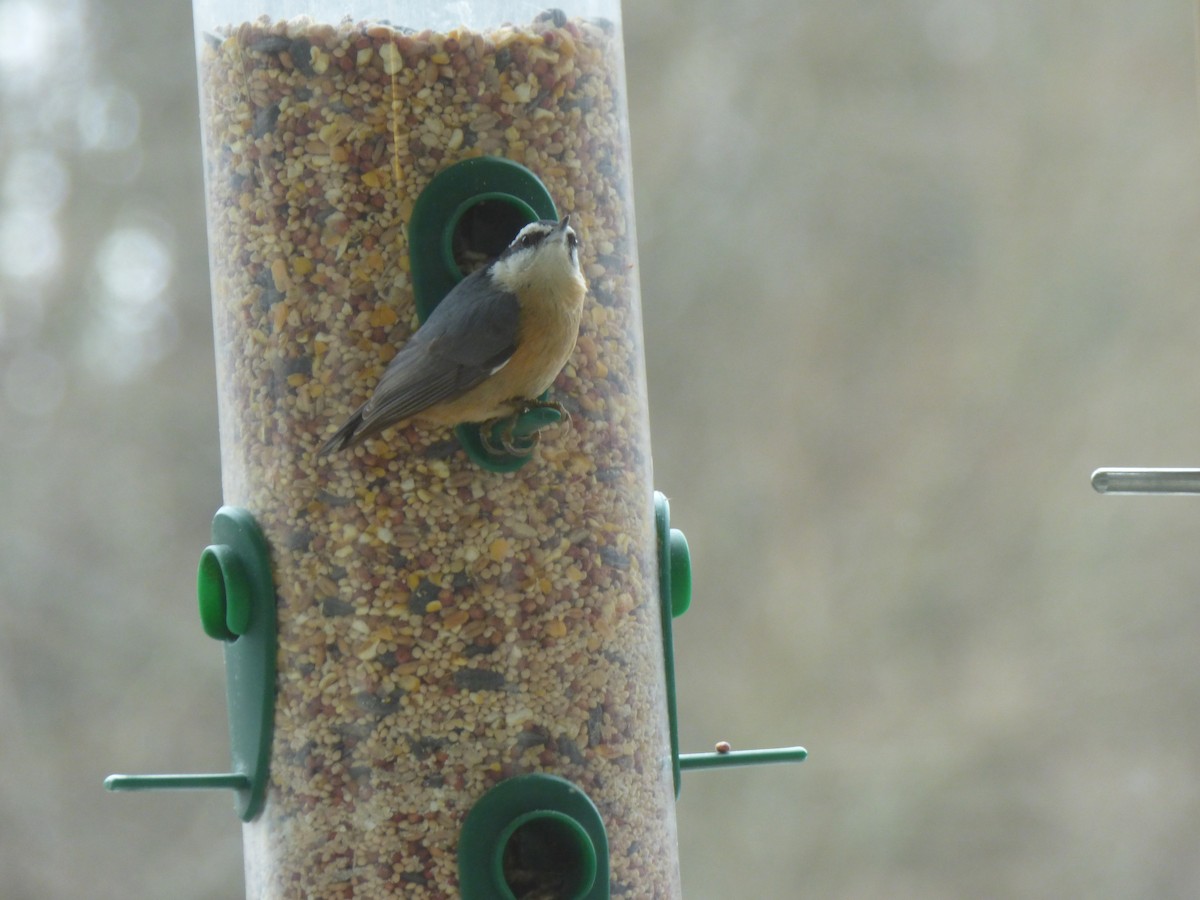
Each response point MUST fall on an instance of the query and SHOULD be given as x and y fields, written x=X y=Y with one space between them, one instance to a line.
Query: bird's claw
x=516 y=435
x=505 y=441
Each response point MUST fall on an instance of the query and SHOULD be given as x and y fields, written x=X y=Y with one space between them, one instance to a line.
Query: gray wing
x=471 y=333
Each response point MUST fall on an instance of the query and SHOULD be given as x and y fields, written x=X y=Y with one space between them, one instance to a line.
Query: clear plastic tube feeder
x=447 y=620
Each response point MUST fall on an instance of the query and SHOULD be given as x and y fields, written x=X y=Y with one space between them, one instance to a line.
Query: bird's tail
x=345 y=436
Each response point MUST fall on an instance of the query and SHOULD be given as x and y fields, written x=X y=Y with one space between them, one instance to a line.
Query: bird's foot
x=499 y=436
x=517 y=434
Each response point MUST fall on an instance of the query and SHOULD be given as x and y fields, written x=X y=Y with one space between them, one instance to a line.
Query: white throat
x=542 y=269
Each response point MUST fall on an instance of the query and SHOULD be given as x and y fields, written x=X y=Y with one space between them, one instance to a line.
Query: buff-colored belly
x=542 y=351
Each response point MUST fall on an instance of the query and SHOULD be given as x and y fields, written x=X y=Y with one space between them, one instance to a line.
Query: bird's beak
x=564 y=223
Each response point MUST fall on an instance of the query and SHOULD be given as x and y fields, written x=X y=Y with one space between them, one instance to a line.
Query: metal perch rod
x=1146 y=481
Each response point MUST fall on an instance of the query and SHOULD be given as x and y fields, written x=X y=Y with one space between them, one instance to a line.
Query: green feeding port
x=530 y=836
x=675 y=597
x=237 y=607
x=466 y=216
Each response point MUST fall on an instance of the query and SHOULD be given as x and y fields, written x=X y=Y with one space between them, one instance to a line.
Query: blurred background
x=910 y=272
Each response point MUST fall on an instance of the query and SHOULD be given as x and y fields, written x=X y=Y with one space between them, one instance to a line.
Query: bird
x=490 y=348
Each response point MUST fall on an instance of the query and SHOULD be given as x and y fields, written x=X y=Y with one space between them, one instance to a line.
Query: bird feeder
x=450 y=669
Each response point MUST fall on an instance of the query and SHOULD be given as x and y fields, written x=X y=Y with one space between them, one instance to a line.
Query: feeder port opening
x=482 y=227
x=545 y=851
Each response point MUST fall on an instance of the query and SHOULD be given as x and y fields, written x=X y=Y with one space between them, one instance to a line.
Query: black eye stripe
x=536 y=236
x=532 y=239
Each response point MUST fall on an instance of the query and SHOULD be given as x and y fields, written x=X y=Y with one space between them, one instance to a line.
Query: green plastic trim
x=237 y=606
x=437 y=214
x=667 y=606
x=564 y=835
x=675 y=597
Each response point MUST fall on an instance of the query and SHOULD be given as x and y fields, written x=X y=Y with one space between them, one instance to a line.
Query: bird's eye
x=527 y=241
x=572 y=240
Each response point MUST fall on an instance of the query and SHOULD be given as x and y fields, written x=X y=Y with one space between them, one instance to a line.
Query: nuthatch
x=493 y=344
